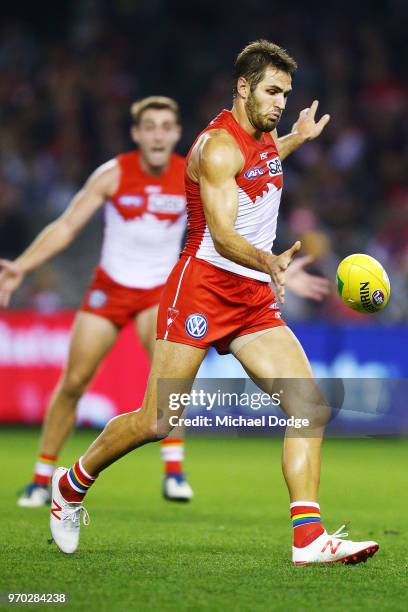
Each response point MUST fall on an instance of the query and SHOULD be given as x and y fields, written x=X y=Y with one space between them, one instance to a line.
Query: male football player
x=218 y=293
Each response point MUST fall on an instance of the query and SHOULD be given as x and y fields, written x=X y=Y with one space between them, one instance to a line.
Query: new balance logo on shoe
x=333 y=547
x=55 y=508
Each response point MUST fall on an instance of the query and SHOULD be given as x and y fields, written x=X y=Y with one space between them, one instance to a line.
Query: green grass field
x=227 y=550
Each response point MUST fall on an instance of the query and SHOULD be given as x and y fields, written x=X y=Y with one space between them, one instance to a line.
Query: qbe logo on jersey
x=196 y=325
x=274 y=166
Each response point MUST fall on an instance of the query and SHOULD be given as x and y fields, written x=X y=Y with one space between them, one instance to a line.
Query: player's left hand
x=278 y=266
x=306 y=125
x=11 y=277
x=304 y=284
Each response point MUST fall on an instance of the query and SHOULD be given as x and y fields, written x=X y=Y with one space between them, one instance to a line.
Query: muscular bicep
x=220 y=202
x=220 y=161
x=100 y=186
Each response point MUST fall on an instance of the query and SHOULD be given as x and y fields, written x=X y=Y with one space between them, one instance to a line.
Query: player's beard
x=256 y=119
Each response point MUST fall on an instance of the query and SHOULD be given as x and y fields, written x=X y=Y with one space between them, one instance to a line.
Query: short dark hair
x=254 y=59
x=156 y=102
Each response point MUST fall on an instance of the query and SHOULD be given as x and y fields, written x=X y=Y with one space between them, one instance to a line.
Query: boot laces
x=339 y=533
x=74 y=515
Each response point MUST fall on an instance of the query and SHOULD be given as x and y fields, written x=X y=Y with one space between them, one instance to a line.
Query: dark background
x=69 y=72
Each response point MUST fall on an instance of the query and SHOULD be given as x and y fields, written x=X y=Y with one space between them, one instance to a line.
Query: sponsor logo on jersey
x=163 y=203
x=263 y=155
x=378 y=297
x=196 y=325
x=131 y=200
x=97 y=298
x=253 y=173
x=274 y=166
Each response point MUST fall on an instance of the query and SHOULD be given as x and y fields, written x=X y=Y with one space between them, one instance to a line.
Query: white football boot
x=65 y=517
x=176 y=488
x=333 y=549
x=34 y=496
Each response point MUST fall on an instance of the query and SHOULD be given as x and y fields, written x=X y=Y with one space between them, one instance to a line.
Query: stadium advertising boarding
x=365 y=368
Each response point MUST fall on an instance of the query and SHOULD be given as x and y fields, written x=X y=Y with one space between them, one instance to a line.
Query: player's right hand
x=11 y=277
x=278 y=266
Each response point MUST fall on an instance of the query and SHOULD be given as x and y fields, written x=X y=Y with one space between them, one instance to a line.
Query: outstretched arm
x=306 y=128
x=219 y=162
x=56 y=236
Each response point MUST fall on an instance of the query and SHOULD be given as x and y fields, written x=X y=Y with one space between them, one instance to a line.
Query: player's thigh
x=146 y=323
x=92 y=337
x=172 y=374
x=277 y=363
x=276 y=354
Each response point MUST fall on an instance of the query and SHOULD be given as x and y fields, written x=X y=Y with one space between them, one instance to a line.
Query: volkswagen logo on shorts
x=97 y=298
x=196 y=325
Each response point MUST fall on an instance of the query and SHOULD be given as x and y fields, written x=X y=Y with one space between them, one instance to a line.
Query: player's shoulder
x=220 y=147
x=215 y=152
x=106 y=177
x=219 y=135
x=217 y=141
x=108 y=169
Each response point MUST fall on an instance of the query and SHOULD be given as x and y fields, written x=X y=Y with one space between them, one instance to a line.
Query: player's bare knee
x=74 y=384
x=164 y=428
x=305 y=402
x=157 y=429
x=143 y=426
x=315 y=414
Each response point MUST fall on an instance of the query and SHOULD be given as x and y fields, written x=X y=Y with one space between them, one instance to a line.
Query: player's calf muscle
x=121 y=435
x=126 y=432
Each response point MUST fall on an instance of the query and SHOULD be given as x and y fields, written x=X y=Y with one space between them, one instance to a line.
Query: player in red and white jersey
x=259 y=186
x=145 y=209
x=219 y=294
x=144 y=199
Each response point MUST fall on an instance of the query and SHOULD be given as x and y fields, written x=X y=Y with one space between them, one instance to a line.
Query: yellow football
x=362 y=283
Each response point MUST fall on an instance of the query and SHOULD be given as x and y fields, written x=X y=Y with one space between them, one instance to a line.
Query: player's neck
x=152 y=170
x=241 y=117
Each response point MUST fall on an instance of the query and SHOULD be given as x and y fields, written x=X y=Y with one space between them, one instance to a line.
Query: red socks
x=75 y=483
x=44 y=469
x=172 y=454
x=306 y=522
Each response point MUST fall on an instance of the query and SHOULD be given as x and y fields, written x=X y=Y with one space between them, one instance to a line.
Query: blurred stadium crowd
x=69 y=73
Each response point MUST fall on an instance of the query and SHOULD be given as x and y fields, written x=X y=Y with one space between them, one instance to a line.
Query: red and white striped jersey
x=144 y=223
x=259 y=188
